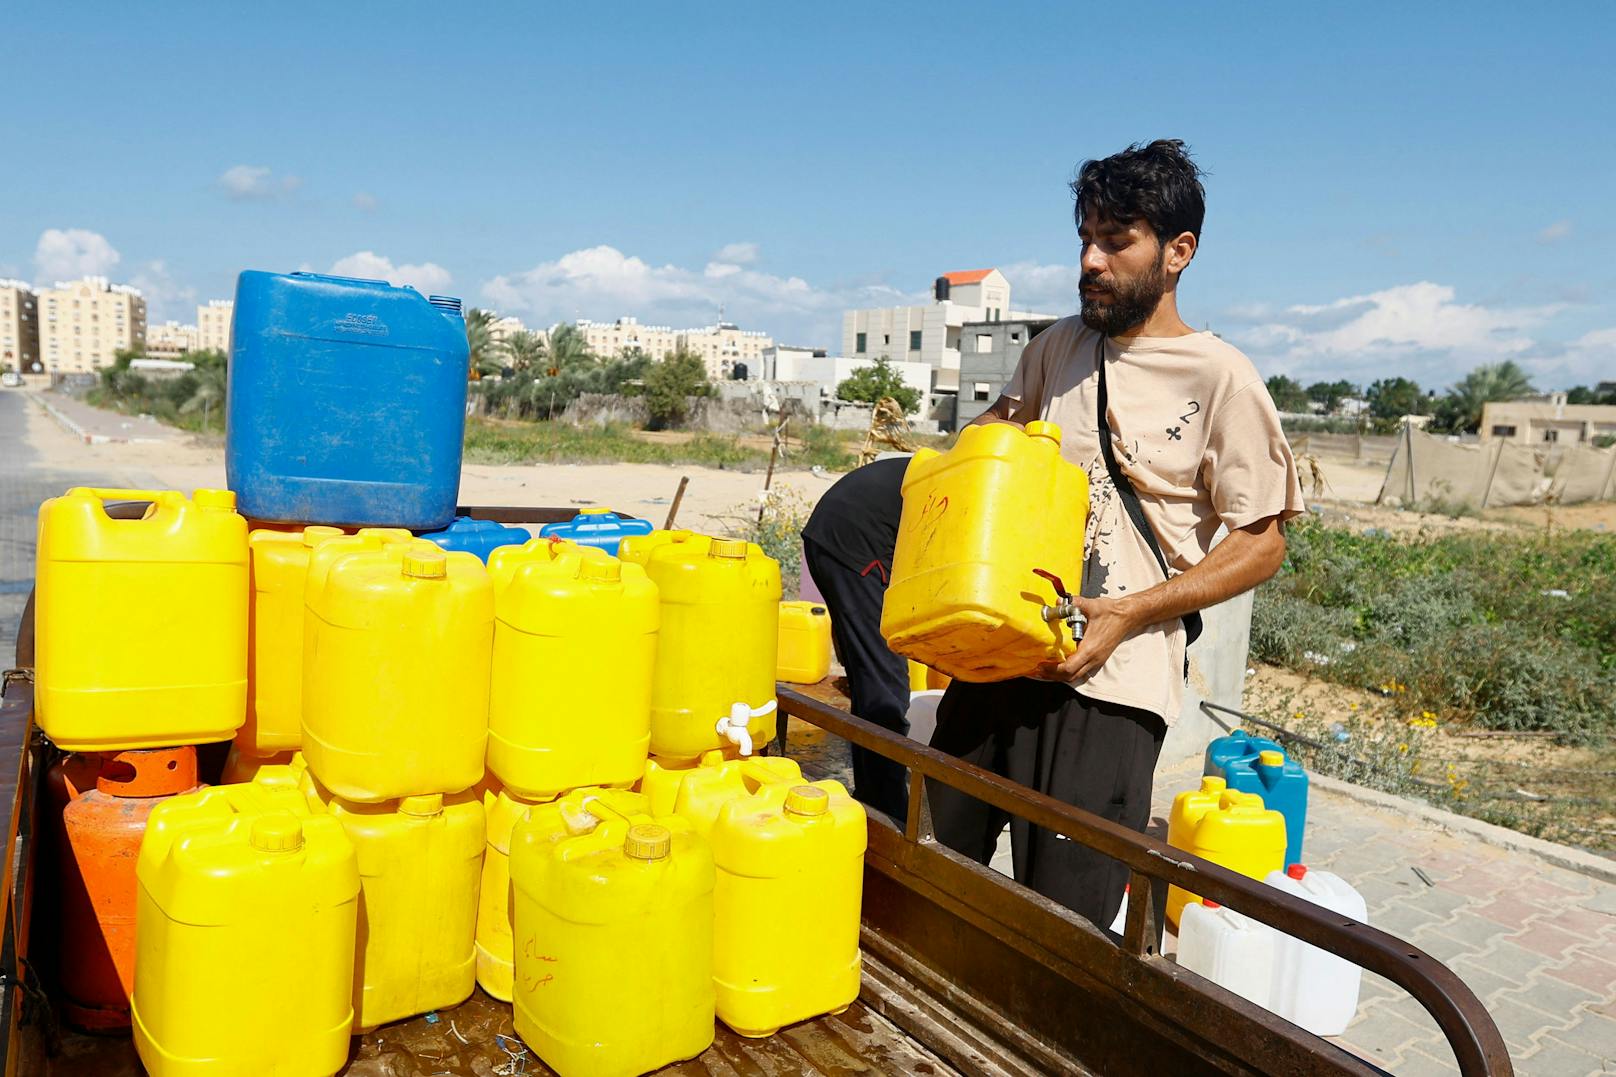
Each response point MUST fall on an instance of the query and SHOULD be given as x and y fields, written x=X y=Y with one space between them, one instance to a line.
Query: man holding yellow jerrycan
x=1180 y=440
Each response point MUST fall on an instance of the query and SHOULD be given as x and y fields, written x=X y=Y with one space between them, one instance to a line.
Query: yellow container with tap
x=787 y=846
x=396 y=656
x=614 y=947
x=141 y=625
x=245 y=922
x=575 y=642
x=978 y=522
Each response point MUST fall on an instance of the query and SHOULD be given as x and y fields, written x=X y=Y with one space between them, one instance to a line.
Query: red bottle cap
x=1209 y=903
x=1296 y=871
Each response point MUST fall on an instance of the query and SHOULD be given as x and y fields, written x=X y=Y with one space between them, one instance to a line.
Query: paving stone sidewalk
x=1534 y=941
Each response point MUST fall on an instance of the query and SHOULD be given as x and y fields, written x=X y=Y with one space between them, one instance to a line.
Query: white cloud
x=427 y=277
x=1586 y=360
x=249 y=183
x=1044 y=289
x=1419 y=329
x=1555 y=232
x=364 y=200
x=738 y=254
x=165 y=297
x=63 y=254
x=604 y=283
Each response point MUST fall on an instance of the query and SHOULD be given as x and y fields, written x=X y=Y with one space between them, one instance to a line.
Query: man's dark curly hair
x=1157 y=182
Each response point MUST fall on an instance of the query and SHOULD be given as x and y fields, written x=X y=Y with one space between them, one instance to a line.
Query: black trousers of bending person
x=1091 y=754
x=877 y=679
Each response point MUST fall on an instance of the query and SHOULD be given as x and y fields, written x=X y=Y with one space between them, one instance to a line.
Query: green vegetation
x=1288 y=394
x=1508 y=631
x=192 y=401
x=870 y=383
x=495 y=442
x=670 y=384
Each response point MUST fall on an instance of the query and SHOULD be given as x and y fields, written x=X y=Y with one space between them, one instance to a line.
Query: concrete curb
x=85 y=436
x=1561 y=856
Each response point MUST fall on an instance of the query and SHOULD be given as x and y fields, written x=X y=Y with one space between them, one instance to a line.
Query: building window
x=859 y=346
x=1503 y=431
x=914 y=340
x=984 y=343
x=886 y=338
x=1551 y=435
x=1015 y=337
x=979 y=391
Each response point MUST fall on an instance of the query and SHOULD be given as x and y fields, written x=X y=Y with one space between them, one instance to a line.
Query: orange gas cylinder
x=100 y=842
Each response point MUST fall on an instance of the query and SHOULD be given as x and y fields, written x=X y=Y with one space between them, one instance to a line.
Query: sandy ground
x=711 y=502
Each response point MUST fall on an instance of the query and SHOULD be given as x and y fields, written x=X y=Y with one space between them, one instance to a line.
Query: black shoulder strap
x=1130 y=496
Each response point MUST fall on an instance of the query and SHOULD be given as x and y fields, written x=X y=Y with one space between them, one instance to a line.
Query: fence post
x=1497 y=456
x=1609 y=491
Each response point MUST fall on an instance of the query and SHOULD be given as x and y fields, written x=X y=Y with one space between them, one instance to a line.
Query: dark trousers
x=1094 y=755
x=877 y=679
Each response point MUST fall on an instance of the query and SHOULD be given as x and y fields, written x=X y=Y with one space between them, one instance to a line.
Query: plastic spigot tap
x=1065 y=609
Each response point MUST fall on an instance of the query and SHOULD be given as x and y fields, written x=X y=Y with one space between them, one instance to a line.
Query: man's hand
x=1109 y=623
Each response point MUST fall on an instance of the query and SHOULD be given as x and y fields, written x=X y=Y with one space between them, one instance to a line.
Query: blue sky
x=1390 y=191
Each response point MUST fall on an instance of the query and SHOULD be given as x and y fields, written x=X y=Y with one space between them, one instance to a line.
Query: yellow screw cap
x=594 y=512
x=1271 y=758
x=313 y=536
x=214 y=499
x=600 y=568
x=1038 y=428
x=733 y=549
x=425 y=564
x=807 y=800
x=424 y=804
x=647 y=841
x=280 y=832
x=1212 y=784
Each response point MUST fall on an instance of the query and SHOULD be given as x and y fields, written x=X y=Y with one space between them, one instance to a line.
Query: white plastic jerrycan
x=1230 y=949
x=1312 y=988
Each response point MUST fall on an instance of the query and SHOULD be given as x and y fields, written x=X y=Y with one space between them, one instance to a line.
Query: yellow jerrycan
x=420 y=864
x=805 y=646
x=788 y=846
x=141 y=625
x=245 y=938
x=280 y=568
x=395 y=671
x=714 y=681
x=513 y=819
x=702 y=791
x=987 y=528
x=639 y=548
x=242 y=766
x=575 y=637
x=614 y=948
x=1239 y=833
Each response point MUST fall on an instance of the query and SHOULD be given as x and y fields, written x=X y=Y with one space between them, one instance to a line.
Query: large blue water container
x=347 y=402
x=481 y=537
x=597 y=527
x=1259 y=765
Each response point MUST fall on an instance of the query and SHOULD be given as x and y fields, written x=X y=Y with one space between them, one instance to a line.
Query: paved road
x=24 y=483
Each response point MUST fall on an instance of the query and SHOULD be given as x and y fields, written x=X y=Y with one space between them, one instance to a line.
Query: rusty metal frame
x=1131 y=982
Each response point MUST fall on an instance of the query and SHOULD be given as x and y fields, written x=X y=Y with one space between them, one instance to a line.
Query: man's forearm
x=1245 y=558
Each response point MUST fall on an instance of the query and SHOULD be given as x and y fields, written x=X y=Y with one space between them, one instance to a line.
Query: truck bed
x=855 y=1041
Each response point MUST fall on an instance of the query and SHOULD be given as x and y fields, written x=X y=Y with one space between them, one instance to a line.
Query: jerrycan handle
x=158 y=499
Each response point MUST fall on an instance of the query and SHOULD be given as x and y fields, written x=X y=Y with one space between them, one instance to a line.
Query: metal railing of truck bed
x=994 y=978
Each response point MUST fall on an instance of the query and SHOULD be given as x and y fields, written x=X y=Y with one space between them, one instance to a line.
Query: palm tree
x=568 y=348
x=1488 y=383
x=480 y=342
x=525 y=349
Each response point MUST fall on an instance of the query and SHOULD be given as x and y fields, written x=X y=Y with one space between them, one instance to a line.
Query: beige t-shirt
x=1196 y=433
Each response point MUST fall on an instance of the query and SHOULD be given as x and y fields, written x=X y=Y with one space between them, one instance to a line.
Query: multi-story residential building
x=213 y=325
x=930 y=333
x=502 y=329
x=170 y=340
x=19 y=327
x=83 y=322
x=612 y=339
x=723 y=345
x=1550 y=421
x=989 y=353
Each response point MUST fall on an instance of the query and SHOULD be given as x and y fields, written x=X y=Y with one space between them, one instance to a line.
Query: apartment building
x=170 y=340
x=83 y=322
x=723 y=345
x=213 y=325
x=930 y=332
x=989 y=354
x=612 y=339
x=19 y=327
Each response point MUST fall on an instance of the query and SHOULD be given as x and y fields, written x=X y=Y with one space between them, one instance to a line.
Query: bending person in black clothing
x=848 y=543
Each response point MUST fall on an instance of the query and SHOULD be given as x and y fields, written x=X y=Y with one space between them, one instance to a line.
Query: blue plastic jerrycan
x=346 y=402
x=481 y=537
x=1259 y=765
x=601 y=528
